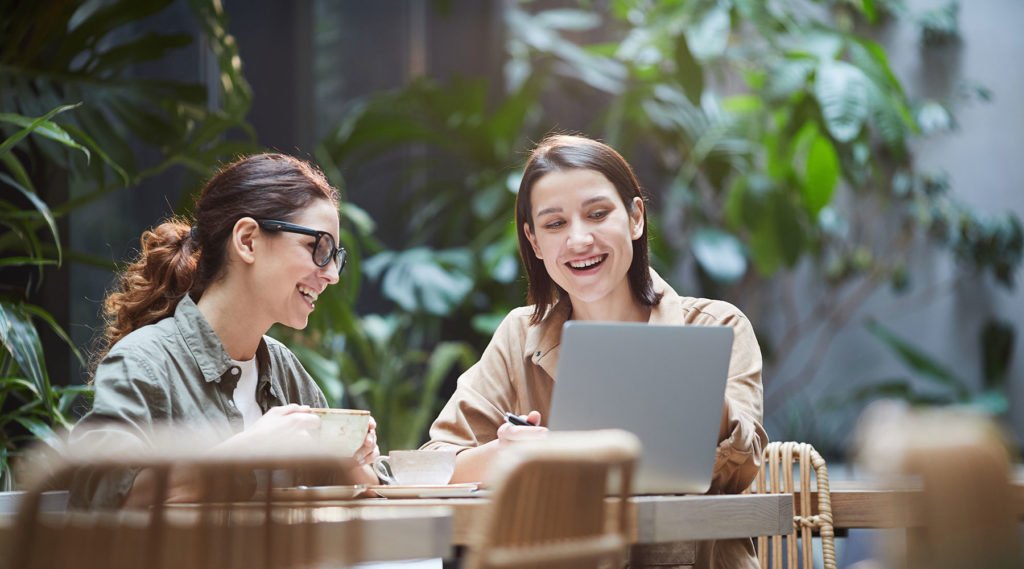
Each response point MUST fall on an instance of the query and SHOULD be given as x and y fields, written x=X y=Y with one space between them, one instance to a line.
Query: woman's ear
x=636 y=218
x=243 y=239
x=532 y=240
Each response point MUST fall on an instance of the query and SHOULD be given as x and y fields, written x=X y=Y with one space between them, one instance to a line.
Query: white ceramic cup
x=343 y=430
x=416 y=467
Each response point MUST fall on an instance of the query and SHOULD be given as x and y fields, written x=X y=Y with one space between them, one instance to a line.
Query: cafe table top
x=652 y=519
x=425 y=529
x=871 y=505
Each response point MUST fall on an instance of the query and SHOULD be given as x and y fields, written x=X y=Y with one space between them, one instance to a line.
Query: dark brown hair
x=177 y=258
x=558 y=153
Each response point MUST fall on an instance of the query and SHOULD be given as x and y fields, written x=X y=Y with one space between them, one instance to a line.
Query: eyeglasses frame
x=338 y=254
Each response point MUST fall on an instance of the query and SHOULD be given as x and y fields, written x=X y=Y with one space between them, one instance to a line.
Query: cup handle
x=381 y=465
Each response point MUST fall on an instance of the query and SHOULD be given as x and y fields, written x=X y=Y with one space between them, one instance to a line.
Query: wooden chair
x=215 y=532
x=961 y=461
x=548 y=508
x=776 y=477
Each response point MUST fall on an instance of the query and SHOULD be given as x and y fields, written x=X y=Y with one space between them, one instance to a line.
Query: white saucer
x=320 y=492
x=424 y=490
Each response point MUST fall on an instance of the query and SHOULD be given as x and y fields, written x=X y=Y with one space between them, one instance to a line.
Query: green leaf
x=46 y=129
x=41 y=431
x=420 y=280
x=148 y=47
x=326 y=373
x=709 y=35
x=60 y=332
x=689 y=73
x=568 y=19
x=20 y=339
x=41 y=124
x=41 y=207
x=820 y=176
x=444 y=357
x=918 y=361
x=91 y=144
x=990 y=402
x=27 y=261
x=933 y=117
x=720 y=254
x=997 y=343
x=842 y=93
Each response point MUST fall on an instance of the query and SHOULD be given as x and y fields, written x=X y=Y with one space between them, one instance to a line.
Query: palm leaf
x=21 y=341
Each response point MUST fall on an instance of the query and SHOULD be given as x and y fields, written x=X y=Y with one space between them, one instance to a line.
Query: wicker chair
x=215 y=532
x=548 y=507
x=776 y=476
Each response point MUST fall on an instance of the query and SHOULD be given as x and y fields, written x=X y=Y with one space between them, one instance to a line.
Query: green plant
x=30 y=405
x=764 y=120
x=775 y=138
x=936 y=383
x=89 y=52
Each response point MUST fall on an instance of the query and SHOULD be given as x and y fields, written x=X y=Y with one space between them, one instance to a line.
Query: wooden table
x=425 y=530
x=859 y=504
x=653 y=519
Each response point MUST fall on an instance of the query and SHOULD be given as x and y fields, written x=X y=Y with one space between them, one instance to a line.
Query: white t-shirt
x=245 y=392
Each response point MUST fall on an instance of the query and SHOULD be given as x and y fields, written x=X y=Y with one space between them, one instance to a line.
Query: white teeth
x=312 y=294
x=586 y=263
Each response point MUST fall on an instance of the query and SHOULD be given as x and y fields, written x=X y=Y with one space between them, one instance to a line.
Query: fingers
x=508 y=432
x=288 y=409
x=533 y=417
x=369 y=450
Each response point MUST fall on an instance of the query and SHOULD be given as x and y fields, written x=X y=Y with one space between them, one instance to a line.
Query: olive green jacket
x=176 y=371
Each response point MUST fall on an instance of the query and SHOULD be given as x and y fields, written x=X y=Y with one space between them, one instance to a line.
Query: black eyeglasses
x=324 y=249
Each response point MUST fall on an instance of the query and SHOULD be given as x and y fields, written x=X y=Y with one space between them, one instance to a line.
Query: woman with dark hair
x=184 y=341
x=582 y=225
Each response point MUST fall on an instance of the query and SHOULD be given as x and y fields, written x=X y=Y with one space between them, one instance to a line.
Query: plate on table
x=304 y=493
x=425 y=490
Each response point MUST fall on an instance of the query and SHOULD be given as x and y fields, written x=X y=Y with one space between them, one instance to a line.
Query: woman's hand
x=508 y=432
x=369 y=451
x=364 y=457
x=284 y=427
x=472 y=465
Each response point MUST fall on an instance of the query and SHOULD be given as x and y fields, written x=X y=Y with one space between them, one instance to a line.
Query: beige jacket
x=516 y=373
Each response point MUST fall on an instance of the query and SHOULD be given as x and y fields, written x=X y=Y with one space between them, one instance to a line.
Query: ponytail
x=151 y=287
x=169 y=265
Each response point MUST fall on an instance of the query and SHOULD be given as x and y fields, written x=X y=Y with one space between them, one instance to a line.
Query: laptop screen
x=665 y=384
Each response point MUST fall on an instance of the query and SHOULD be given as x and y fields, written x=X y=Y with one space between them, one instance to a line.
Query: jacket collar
x=211 y=357
x=543 y=339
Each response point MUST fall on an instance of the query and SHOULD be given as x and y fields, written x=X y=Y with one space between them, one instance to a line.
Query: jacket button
x=235 y=370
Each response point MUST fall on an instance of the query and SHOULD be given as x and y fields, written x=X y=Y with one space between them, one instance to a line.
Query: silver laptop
x=665 y=384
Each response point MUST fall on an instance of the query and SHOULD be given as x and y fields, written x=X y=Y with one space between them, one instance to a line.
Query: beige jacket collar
x=542 y=340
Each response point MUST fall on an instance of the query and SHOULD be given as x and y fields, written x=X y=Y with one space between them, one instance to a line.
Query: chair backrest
x=549 y=506
x=777 y=477
x=215 y=531
x=961 y=461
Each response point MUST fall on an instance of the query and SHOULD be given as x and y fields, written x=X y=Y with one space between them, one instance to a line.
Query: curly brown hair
x=177 y=257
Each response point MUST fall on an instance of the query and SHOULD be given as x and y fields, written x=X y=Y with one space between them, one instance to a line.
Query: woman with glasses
x=184 y=341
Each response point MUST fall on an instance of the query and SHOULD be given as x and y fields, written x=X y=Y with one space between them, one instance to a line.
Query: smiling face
x=584 y=234
x=286 y=280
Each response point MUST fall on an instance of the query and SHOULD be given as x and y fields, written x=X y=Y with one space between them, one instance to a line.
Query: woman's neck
x=232 y=320
x=611 y=310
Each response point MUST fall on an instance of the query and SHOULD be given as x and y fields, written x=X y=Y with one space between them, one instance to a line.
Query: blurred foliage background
x=776 y=142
